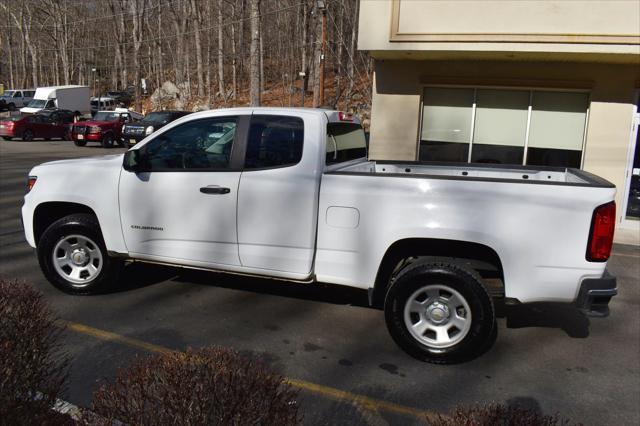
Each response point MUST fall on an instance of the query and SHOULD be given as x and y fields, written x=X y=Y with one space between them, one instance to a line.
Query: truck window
x=274 y=141
x=345 y=141
x=196 y=145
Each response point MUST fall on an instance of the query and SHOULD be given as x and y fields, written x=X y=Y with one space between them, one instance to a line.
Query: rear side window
x=345 y=141
x=274 y=141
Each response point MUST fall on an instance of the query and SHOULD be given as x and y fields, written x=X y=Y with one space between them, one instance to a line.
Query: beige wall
x=398 y=86
x=422 y=28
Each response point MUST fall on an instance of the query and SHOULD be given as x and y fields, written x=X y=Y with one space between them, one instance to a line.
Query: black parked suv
x=134 y=132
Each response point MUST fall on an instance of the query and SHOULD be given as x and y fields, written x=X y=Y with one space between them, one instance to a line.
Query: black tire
x=11 y=107
x=27 y=135
x=67 y=135
x=107 y=141
x=481 y=333
x=79 y=143
x=7 y=138
x=85 y=225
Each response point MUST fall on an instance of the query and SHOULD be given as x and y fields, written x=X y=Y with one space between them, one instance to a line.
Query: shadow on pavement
x=547 y=315
x=563 y=316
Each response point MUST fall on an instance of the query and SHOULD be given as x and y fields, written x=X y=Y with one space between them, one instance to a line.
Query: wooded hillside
x=213 y=51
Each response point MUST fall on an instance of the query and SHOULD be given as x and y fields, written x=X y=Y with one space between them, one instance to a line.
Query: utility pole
x=322 y=7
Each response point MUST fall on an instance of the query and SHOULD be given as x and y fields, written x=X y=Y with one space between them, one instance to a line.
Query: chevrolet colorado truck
x=289 y=194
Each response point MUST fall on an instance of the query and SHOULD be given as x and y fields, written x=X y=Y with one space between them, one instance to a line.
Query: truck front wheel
x=107 y=141
x=440 y=313
x=73 y=256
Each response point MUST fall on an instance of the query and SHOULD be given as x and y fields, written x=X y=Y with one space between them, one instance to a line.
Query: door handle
x=214 y=189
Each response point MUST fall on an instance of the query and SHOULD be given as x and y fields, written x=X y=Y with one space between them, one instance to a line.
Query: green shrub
x=208 y=386
x=498 y=415
x=33 y=369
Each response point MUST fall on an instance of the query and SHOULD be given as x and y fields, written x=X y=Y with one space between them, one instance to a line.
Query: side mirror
x=132 y=161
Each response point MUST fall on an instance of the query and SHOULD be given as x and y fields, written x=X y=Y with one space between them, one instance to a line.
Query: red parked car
x=105 y=128
x=47 y=124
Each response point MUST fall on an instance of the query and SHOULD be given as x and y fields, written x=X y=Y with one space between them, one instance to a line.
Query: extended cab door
x=182 y=207
x=278 y=196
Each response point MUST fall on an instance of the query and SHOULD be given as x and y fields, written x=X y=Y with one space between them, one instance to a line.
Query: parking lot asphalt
x=547 y=357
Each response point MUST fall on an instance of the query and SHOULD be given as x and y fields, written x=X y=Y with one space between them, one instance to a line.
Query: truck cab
x=18 y=98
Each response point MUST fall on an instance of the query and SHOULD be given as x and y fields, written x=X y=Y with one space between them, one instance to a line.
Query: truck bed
x=482 y=172
x=536 y=219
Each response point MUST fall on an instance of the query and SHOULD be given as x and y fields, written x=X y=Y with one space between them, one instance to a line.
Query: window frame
x=236 y=160
x=476 y=87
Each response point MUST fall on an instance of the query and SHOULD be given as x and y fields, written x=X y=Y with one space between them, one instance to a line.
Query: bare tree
x=254 y=55
x=237 y=48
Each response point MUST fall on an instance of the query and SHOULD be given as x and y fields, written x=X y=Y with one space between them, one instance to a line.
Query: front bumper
x=131 y=139
x=91 y=137
x=595 y=294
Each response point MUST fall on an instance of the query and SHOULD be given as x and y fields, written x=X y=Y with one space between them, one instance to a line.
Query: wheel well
x=483 y=259
x=47 y=213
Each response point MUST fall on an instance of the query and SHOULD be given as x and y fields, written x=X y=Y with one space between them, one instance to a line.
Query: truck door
x=182 y=207
x=278 y=196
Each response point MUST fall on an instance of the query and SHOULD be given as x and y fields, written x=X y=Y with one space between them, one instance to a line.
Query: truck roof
x=331 y=114
x=70 y=86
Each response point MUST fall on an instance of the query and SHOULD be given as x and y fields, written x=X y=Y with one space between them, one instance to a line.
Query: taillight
x=31 y=182
x=601 y=236
x=345 y=116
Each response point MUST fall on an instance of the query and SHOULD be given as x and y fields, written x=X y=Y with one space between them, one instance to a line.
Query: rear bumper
x=595 y=294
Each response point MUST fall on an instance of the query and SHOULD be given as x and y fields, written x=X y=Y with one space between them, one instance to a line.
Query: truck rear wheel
x=440 y=313
x=73 y=256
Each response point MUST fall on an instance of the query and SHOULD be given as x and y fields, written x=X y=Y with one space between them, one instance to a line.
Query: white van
x=103 y=103
x=73 y=98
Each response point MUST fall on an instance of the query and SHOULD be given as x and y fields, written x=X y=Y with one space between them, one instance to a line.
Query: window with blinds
x=503 y=126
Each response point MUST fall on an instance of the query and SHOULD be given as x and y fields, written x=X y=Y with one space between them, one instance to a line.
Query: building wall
x=593 y=27
x=591 y=45
x=398 y=86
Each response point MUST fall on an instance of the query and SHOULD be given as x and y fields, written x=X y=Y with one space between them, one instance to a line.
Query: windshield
x=37 y=103
x=8 y=93
x=157 y=117
x=345 y=142
x=106 y=116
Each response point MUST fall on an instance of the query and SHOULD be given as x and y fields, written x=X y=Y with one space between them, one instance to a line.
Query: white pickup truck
x=289 y=194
